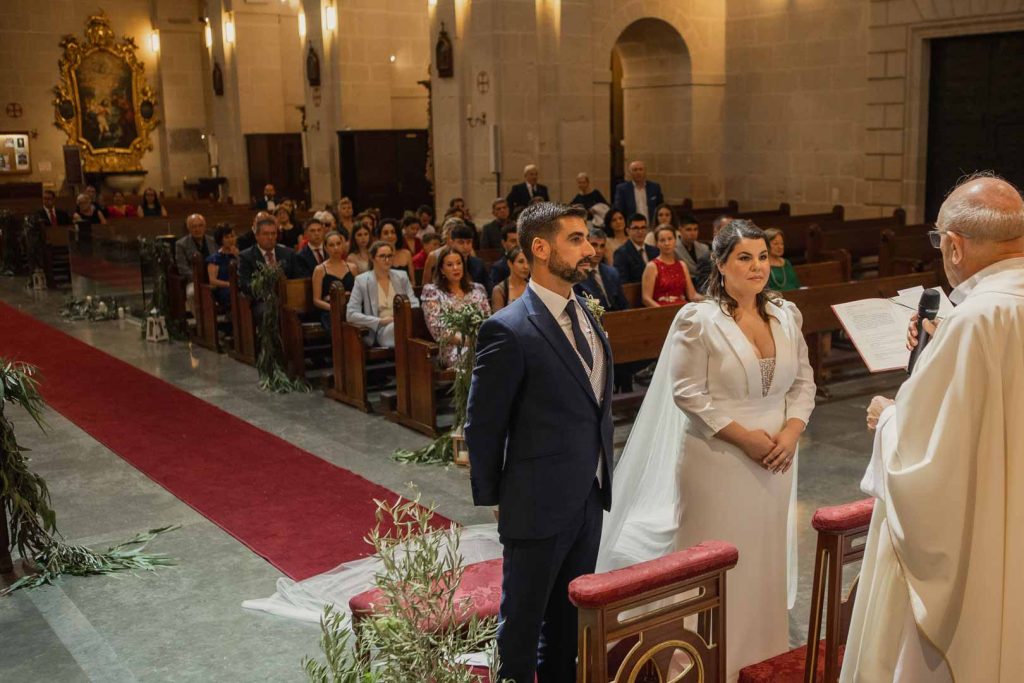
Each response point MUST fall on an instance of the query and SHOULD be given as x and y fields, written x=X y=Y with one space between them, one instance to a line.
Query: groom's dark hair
x=541 y=220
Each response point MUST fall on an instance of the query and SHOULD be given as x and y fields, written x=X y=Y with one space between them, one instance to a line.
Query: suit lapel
x=609 y=365
x=743 y=349
x=542 y=319
x=371 y=295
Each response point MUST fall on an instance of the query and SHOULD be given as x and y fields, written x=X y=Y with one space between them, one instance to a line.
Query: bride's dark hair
x=721 y=248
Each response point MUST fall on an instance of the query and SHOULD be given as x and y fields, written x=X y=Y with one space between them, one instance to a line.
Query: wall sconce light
x=209 y=35
x=431 y=4
x=331 y=18
x=475 y=121
x=392 y=59
x=302 y=24
x=154 y=40
x=229 y=31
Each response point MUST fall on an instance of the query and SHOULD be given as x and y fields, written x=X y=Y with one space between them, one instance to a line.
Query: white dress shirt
x=640 y=195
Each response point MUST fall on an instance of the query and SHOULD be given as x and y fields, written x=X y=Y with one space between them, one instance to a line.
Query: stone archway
x=652 y=102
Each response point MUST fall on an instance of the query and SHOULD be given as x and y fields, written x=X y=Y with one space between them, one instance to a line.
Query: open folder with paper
x=878 y=327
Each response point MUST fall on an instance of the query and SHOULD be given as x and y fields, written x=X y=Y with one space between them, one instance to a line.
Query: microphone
x=927 y=307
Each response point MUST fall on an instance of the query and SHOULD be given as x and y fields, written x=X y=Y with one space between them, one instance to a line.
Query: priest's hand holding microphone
x=928 y=326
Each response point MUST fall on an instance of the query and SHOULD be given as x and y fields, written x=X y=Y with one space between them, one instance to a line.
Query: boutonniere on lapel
x=596 y=309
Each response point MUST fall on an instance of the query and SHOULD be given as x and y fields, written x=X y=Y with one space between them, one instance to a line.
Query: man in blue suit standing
x=638 y=195
x=539 y=432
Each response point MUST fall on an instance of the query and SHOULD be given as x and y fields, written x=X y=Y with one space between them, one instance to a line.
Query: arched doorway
x=651 y=103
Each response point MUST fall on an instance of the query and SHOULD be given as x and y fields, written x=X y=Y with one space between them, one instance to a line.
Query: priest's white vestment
x=941 y=592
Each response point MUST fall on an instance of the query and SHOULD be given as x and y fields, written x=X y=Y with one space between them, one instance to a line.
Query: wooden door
x=975 y=111
x=276 y=158
x=385 y=169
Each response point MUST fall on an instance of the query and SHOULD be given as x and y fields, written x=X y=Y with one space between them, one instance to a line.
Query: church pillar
x=451 y=174
x=227 y=145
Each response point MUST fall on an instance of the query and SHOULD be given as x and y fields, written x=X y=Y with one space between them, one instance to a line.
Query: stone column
x=323 y=105
x=227 y=145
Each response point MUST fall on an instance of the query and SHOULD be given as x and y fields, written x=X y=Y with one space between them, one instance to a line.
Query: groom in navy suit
x=539 y=432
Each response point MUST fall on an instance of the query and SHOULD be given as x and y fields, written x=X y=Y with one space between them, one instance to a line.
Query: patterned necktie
x=319 y=256
x=582 y=345
x=271 y=258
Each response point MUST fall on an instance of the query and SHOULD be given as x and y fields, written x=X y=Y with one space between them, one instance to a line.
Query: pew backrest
x=639 y=333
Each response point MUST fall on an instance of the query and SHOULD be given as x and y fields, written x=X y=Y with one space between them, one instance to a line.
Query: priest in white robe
x=941 y=592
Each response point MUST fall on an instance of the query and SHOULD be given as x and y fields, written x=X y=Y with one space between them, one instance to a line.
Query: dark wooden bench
x=419 y=378
x=205 y=309
x=57 y=256
x=825 y=272
x=302 y=335
x=907 y=250
x=243 y=329
x=352 y=359
x=815 y=303
x=860 y=238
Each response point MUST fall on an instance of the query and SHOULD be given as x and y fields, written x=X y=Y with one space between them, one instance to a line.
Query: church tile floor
x=185 y=623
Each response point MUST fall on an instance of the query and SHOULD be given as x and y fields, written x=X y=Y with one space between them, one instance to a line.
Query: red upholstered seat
x=787 y=667
x=479 y=594
x=841 y=518
x=598 y=590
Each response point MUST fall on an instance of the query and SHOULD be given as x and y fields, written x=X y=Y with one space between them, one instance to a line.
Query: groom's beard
x=569 y=273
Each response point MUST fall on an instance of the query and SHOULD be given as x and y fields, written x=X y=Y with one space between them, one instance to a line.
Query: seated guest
x=603 y=281
x=695 y=254
x=218 y=264
x=666 y=281
x=335 y=269
x=345 y=215
x=266 y=252
x=632 y=257
x=664 y=215
x=509 y=239
x=50 y=214
x=119 y=208
x=490 y=233
x=410 y=235
x=431 y=242
x=269 y=200
x=94 y=199
x=359 y=252
x=372 y=302
x=515 y=283
x=587 y=196
x=426 y=216
x=459 y=204
x=195 y=242
x=289 y=232
x=461 y=238
x=247 y=239
x=720 y=223
x=451 y=288
x=614 y=227
x=387 y=231
x=87 y=211
x=314 y=252
x=783 y=277
x=150 y=204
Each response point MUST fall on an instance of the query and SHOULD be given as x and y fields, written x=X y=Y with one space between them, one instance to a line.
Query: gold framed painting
x=103 y=103
x=15 y=155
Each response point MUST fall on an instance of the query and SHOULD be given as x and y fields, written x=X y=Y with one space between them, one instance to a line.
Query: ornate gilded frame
x=101 y=77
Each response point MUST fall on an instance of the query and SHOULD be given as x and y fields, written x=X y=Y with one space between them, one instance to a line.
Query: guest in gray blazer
x=195 y=242
x=371 y=303
x=696 y=255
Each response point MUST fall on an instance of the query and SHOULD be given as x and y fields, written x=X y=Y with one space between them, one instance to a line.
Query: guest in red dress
x=666 y=280
x=119 y=208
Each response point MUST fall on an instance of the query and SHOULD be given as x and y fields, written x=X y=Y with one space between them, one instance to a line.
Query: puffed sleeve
x=431 y=301
x=800 y=397
x=689 y=367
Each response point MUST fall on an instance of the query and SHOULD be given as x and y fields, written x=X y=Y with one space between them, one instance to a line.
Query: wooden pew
x=639 y=333
x=243 y=331
x=825 y=272
x=204 y=307
x=418 y=375
x=731 y=208
x=302 y=335
x=57 y=256
x=858 y=237
x=815 y=303
x=352 y=359
x=906 y=251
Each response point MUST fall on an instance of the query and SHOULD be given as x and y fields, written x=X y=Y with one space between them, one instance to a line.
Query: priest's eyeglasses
x=935 y=237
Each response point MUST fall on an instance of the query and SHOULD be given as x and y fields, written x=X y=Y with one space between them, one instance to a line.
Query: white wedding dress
x=676 y=485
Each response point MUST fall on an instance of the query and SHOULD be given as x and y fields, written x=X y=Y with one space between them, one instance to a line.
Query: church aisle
x=186 y=623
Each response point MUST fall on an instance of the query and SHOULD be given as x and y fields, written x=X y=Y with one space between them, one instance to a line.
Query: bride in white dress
x=712 y=454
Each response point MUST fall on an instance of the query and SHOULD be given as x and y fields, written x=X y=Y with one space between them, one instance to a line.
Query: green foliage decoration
x=25 y=498
x=270 y=361
x=159 y=253
x=419 y=633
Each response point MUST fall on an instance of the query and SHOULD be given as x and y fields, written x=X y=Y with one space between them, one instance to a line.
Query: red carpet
x=301 y=513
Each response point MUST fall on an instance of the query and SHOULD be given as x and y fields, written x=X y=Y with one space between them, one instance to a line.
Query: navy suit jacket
x=478 y=273
x=252 y=258
x=625 y=201
x=630 y=264
x=306 y=260
x=534 y=428
x=519 y=195
x=616 y=299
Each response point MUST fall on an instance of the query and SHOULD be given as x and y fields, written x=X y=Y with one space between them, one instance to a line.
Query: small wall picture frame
x=15 y=154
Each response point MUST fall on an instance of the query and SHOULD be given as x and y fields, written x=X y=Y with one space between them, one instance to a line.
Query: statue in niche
x=313 y=68
x=218 y=80
x=443 y=54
